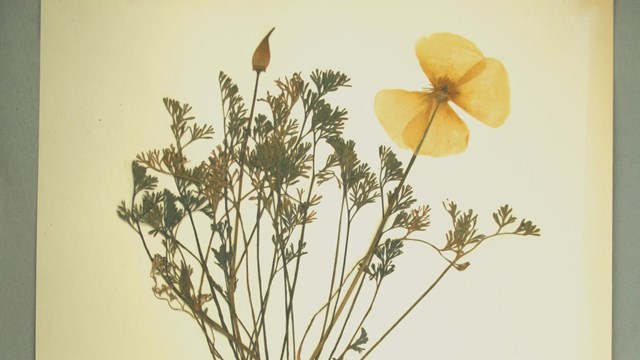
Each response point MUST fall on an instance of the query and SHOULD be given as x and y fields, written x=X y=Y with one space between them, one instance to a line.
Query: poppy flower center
x=444 y=89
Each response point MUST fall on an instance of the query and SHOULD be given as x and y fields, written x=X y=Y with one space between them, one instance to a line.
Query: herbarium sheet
x=325 y=180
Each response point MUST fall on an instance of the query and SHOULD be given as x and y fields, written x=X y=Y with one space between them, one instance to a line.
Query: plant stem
x=344 y=259
x=248 y=282
x=313 y=318
x=335 y=259
x=258 y=266
x=262 y=314
x=344 y=325
x=210 y=281
x=281 y=243
x=301 y=240
x=210 y=343
x=404 y=315
x=355 y=333
x=196 y=312
x=202 y=261
x=234 y=244
x=351 y=308
x=376 y=239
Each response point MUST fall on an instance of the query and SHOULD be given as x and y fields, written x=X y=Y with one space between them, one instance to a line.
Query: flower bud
x=262 y=55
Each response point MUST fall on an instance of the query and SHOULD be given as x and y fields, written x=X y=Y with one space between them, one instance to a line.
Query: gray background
x=19 y=95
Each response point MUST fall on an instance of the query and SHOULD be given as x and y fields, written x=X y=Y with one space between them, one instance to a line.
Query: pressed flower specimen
x=458 y=73
x=258 y=192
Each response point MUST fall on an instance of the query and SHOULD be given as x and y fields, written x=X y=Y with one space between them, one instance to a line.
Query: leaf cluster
x=356 y=179
x=184 y=130
x=326 y=120
x=390 y=167
x=357 y=344
x=464 y=232
x=464 y=237
x=413 y=220
x=235 y=117
x=504 y=217
x=223 y=254
x=384 y=255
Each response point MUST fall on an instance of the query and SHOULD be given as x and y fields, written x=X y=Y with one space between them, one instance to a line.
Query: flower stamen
x=443 y=90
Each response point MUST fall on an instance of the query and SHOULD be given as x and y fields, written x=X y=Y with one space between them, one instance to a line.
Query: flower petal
x=447 y=135
x=396 y=108
x=446 y=55
x=486 y=96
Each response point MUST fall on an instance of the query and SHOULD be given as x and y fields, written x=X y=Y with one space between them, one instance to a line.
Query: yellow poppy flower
x=458 y=72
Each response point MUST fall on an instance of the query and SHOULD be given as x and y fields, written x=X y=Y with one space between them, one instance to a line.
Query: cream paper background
x=106 y=65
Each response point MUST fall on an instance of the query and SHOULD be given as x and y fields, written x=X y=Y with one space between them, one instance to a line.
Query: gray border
x=626 y=245
x=19 y=95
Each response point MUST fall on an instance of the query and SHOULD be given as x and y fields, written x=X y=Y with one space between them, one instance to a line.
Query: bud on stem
x=262 y=55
